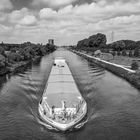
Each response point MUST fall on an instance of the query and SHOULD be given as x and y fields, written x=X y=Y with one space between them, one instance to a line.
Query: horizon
x=108 y=42
x=68 y=21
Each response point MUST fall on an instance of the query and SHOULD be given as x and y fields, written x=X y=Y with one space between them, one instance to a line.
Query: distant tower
x=51 y=41
x=112 y=36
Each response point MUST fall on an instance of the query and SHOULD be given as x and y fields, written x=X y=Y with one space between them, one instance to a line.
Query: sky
x=68 y=21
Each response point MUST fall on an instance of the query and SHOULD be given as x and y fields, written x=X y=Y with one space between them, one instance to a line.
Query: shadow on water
x=113 y=104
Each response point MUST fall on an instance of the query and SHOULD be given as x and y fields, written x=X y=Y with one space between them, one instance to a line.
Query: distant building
x=51 y=41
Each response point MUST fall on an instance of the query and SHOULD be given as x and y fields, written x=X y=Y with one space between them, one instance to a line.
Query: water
x=113 y=104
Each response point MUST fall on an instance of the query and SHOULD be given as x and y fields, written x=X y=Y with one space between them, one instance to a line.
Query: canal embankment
x=21 y=66
x=18 y=67
x=131 y=76
x=18 y=57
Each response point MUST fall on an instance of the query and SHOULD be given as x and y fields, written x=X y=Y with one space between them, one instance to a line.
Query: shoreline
x=17 y=67
x=131 y=76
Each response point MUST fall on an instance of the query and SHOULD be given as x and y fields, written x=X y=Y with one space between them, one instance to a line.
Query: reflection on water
x=113 y=104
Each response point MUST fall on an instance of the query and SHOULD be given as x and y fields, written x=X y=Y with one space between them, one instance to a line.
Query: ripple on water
x=113 y=104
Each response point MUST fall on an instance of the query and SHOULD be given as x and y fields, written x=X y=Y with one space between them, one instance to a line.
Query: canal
x=113 y=103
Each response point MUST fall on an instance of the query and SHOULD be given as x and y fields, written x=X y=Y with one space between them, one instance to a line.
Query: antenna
x=112 y=36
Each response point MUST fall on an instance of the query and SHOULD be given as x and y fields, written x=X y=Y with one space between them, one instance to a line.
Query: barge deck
x=62 y=105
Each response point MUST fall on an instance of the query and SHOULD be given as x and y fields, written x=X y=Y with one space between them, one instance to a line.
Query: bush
x=130 y=54
x=107 y=51
x=113 y=53
x=134 y=65
x=118 y=53
x=14 y=57
x=124 y=53
x=2 y=61
x=136 y=53
x=13 y=50
x=1 y=50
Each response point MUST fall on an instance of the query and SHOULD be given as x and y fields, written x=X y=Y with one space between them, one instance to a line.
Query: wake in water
x=80 y=125
x=113 y=104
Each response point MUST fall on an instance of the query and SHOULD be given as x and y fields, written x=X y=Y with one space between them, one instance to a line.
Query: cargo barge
x=62 y=106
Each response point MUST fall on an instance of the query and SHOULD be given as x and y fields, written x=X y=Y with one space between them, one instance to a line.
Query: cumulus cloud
x=3 y=16
x=5 y=4
x=22 y=17
x=28 y=20
x=47 y=13
x=124 y=1
x=118 y=23
x=5 y=32
x=89 y=13
x=87 y=19
x=74 y=22
x=16 y=15
x=52 y=3
x=4 y=29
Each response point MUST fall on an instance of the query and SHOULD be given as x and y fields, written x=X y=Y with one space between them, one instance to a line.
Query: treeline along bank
x=122 y=50
x=13 y=56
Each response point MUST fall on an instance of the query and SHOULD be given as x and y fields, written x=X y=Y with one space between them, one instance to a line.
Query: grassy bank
x=132 y=76
x=125 y=61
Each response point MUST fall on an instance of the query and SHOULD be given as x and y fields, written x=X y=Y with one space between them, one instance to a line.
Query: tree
x=2 y=50
x=2 y=61
x=106 y=50
x=136 y=52
x=113 y=54
x=124 y=53
x=118 y=53
x=130 y=53
x=134 y=65
x=13 y=50
x=118 y=45
x=14 y=57
x=95 y=41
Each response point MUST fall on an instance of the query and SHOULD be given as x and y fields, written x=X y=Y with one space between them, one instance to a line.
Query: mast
x=112 y=36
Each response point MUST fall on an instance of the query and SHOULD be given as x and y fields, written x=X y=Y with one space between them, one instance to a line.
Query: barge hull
x=62 y=105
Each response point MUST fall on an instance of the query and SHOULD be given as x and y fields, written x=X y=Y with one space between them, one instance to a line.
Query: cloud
x=118 y=23
x=5 y=4
x=5 y=32
x=75 y=22
x=22 y=17
x=52 y=3
x=47 y=13
x=87 y=19
x=28 y=20
x=3 y=16
x=89 y=13
x=4 y=29
x=19 y=4
x=17 y=15
x=123 y=1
